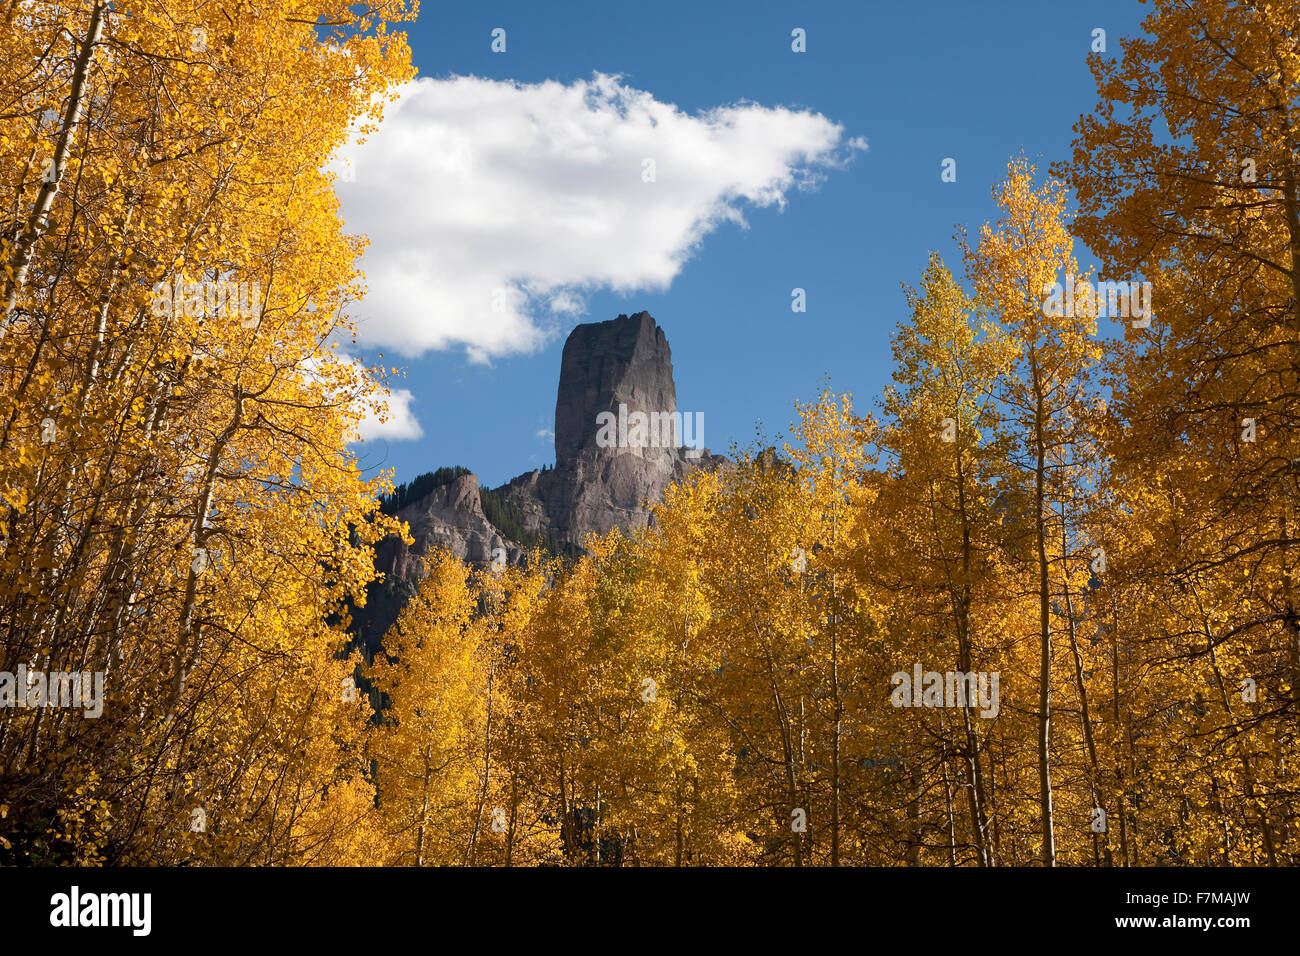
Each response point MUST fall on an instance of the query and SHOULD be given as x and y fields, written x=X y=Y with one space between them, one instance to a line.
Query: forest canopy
x=1034 y=604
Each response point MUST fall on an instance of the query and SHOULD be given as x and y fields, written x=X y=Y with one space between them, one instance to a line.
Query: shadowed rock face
x=620 y=367
x=449 y=518
x=623 y=362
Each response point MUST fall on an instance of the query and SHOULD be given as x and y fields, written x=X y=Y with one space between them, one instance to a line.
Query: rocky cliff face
x=619 y=443
x=449 y=518
x=608 y=471
x=624 y=360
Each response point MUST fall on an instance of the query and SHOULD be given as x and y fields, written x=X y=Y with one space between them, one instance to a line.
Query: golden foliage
x=181 y=514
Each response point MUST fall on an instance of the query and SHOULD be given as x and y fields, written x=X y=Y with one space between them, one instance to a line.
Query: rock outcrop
x=619 y=443
x=612 y=372
x=625 y=360
x=449 y=518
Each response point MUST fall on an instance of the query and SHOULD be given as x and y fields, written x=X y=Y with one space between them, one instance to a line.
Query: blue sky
x=918 y=81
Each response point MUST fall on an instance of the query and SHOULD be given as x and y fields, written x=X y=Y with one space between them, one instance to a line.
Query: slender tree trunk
x=1291 y=206
x=487 y=758
x=1048 y=854
x=838 y=719
x=1094 y=771
x=914 y=814
x=424 y=811
x=514 y=818
x=788 y=752
x=947 y=793
x=39 y=221
x=566 y=826
x=187 y=644
x=1119 y=768
x=677 y=820
x=974 y=773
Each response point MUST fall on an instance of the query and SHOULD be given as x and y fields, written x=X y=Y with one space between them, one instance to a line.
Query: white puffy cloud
x=400 y=424
x=492 y=206
x=399 y=421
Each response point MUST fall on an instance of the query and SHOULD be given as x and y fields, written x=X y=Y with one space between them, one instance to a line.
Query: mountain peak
x=625 y=360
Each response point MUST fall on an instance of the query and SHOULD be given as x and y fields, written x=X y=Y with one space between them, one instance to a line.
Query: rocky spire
x=623 y=361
